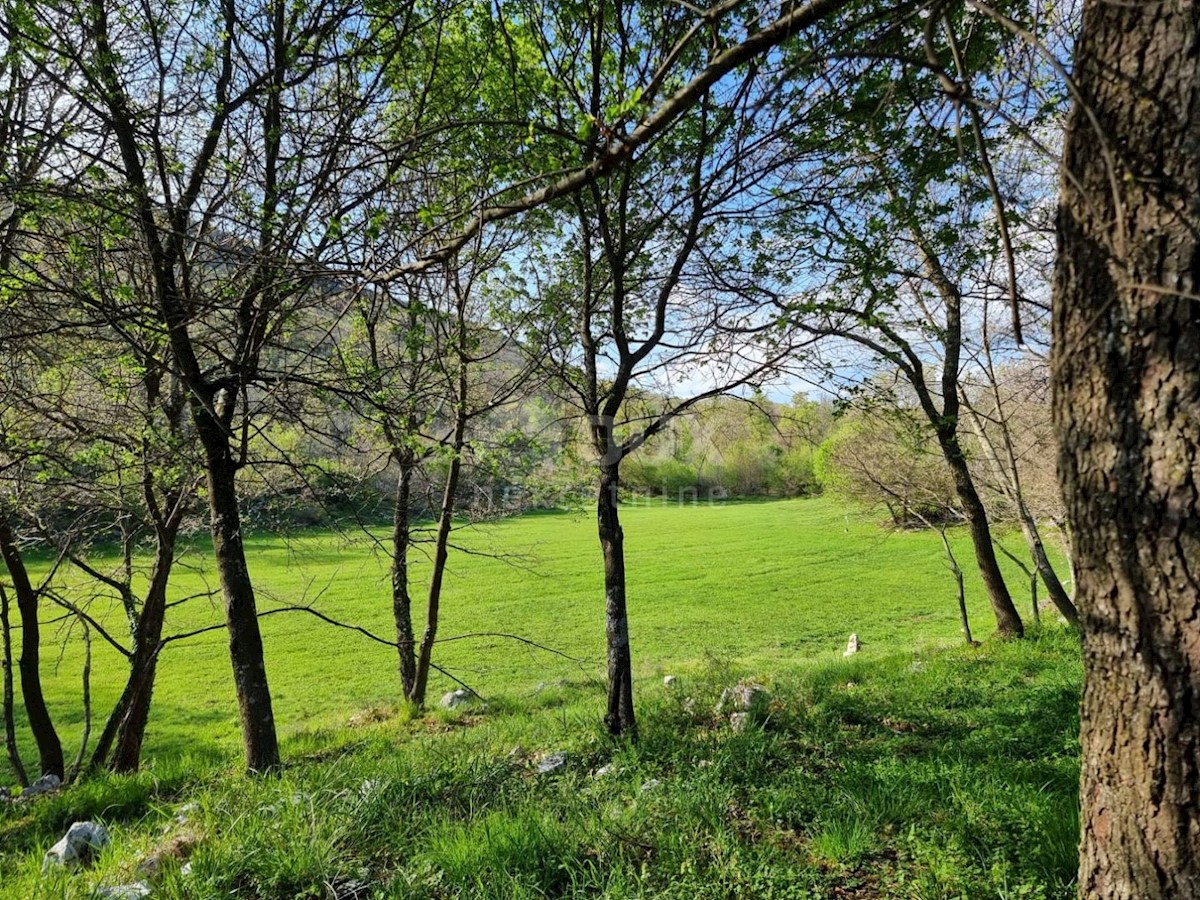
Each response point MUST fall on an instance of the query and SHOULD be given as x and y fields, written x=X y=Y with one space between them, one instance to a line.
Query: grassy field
x=775 y=586
x=917 y=769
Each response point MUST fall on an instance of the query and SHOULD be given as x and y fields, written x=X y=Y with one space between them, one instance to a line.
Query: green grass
x=917 y=769
x=943 y=774
x=774 y=586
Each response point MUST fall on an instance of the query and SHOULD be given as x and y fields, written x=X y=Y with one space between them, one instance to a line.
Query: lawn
x=775 y=586
x=919 y=769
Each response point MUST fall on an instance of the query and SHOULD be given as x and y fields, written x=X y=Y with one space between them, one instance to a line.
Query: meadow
x=917 y=768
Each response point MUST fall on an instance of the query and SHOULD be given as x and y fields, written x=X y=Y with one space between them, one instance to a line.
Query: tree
x=1126 y=374
x=242 y=142
x=898 y=230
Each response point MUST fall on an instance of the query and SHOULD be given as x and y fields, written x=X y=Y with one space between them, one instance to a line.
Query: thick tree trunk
x=401 y=599
x=619 y=718
x=1126 y=368
x=10 y=727
x=50 y=752
x=1008 y=620
x=241 y=612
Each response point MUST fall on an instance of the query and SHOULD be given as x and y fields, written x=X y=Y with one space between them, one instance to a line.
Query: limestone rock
x=455 y=698
x=552 y=763
x=125 y=891
x=743 y=698
x=44 y=785
x=78 y=846
x=852 y=646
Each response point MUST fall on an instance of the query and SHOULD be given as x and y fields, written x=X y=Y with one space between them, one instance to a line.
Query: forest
x=326 y=325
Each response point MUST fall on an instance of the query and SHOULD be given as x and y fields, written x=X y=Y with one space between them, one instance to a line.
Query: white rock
x=743 y=698
x=77 y=847
x=650 y=785
x=669 y=680
x=852 y=646
x=554 y=762
x=125 y=891
x=187 y=869
x=605 y=770
x=43 y=785
x=455 y=698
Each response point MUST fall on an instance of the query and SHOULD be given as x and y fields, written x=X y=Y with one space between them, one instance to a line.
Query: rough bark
x=241 y=611
x=50 y=752
x=619 y=718
x=401 y=599
x=1126 y=370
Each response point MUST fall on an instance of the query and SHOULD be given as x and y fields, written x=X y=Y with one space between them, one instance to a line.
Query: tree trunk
x=1010 y=483
x=1058 y=594
x=401 y=599
x=1126 y=370
x=10 y=728
x=50 y=750
x=1008 y=620
x=619 y=718
x=136 y=713
x=440 y=554
x=241 y=613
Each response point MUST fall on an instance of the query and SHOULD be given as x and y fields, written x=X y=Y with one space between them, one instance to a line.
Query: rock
x=739 y=721
x=743 y=698
x=187 y=869
x=78 y=846
x=125 y=891
x=44 y=785
x=605 y=770
x=551 y=763
x=347 y=889
x=650 y=785
x=852 y=646
x=669 y=681
x=455 y=698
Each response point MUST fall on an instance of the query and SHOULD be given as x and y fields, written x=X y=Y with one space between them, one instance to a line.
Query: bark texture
x=619 y=718
x=1126 y=372
x=241 y=611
